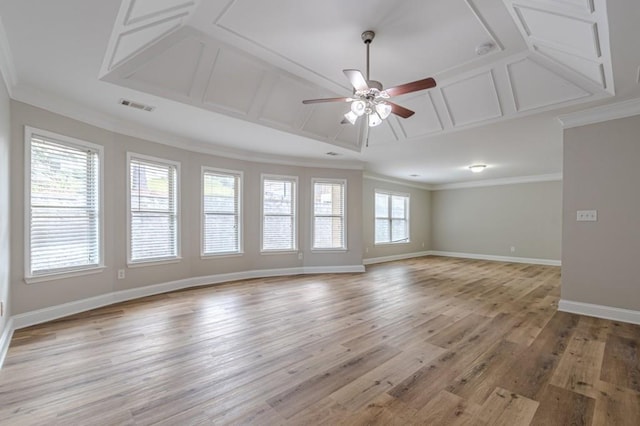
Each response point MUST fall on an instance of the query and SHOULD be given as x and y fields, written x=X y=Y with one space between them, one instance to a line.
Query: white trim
x=239 y=195
x=178 y=192
x=601 y=113
x=63 y=275
x=342 y=182
x=5 y=340
x=533 y=261
x=599 y=311
x=294 y=181
x=417 y=185
x=382 y=259
x=500 y=181
x=7 y=67
x=77 y=143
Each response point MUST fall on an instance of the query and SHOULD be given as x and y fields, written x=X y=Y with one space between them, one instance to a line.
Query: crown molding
x=502 y=181
x=70 y=109
x=7 y=67
x=425 y=186
x=601 y=113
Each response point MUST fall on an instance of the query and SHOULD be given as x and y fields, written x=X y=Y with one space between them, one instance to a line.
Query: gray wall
x=28 y=297
x=419 y=226
x=5 y=137
x=600 y=259
x=490 y=220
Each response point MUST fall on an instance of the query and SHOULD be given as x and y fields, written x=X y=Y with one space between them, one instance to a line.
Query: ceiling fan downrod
x=367 y=37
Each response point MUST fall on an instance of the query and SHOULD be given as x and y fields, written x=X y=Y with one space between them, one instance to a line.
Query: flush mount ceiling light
x=477 y=168
x=369 y=99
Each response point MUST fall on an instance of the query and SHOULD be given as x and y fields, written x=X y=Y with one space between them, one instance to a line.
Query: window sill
x=392 y=244
x=329 y=250
x=144 y=263
x=275 y=252
x=63 y=275
x=221 y=255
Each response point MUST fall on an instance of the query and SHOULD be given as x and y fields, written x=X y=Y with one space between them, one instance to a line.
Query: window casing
x=64 y=235
x=153 y=206
x=279 y=213
x=329 y=212
x=391 y=218
x=221 y=212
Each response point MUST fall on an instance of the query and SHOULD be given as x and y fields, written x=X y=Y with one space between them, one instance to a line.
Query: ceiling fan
x=370 y=99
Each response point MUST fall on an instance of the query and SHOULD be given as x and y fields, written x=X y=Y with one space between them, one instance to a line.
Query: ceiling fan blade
x=414 y=86
x=356 y=79
x=317 y=101
x=400 y=110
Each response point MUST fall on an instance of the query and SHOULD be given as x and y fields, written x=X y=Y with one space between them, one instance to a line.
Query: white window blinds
x=328 y=215
x=221 y=212
x=278 y=213
x=64 y=213
x=153 y=216
x=391 y=218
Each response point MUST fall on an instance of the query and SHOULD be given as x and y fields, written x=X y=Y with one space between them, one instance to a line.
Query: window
x=328 y=214
x=392 y=218
x=64 y=195
x=153 y=209
x=221 y=212
x=279 y=213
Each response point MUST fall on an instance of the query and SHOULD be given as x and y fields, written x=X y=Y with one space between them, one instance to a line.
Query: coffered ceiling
x=232 y=74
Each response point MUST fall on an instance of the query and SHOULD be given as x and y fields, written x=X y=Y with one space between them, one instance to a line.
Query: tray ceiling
x=258 y=60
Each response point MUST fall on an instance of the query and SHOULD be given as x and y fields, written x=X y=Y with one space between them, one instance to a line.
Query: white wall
x=419 y=223
x=29 y=297
x=490 y=220
x=5 y=180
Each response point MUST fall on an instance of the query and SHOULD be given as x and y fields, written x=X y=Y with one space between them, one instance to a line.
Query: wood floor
x=434 y=341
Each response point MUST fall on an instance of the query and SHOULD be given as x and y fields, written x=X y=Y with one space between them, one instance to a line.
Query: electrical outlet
x=513 y=249
x=366 y=249
x=121 y=274
x=300 y=256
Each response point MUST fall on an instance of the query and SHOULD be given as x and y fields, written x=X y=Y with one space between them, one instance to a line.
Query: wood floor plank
x=430 y=340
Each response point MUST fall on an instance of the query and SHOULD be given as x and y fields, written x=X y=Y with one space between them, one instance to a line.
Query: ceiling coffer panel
x=426 y=119
x=380 y=135
x=569 y=33
x=472 y=100
x=283 y=105
x=325 y=119
x=234 y=82
x=588 y=68
x=534 y=86
x=162 y=73
x=146 y=9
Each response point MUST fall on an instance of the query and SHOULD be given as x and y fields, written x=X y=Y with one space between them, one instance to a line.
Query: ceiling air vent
x=332 y=154
x=136 y=105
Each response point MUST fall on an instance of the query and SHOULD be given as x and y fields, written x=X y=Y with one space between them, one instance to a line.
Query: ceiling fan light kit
x=370 y=99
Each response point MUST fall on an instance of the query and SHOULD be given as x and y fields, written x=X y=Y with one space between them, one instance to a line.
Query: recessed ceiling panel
x=535 y=86
x=173 y=69
x=144 y=9
x=581 y=5
x=325 y=119
x=560 y=30
x=472 y=100
x=235 y=80
x=348 y=134
x=424 y=121
x=284 y=104
x=382 y=134
x=590 y=69
x=414 y=38
x=135 y=40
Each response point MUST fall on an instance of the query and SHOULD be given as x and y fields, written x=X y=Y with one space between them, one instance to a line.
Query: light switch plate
x=587 y=216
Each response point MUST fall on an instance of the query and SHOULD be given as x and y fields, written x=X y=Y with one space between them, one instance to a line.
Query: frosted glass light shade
x=374 y=119
x=351 y=117
x=383 y=109
x=358 y=107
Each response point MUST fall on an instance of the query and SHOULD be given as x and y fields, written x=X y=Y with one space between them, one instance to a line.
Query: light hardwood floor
x=434 y=340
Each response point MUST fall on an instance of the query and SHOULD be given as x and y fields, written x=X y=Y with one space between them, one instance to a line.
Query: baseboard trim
x=5 y=340
x=600 y=311
x=39 y=316
x=533 y=261
x=383 y=259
